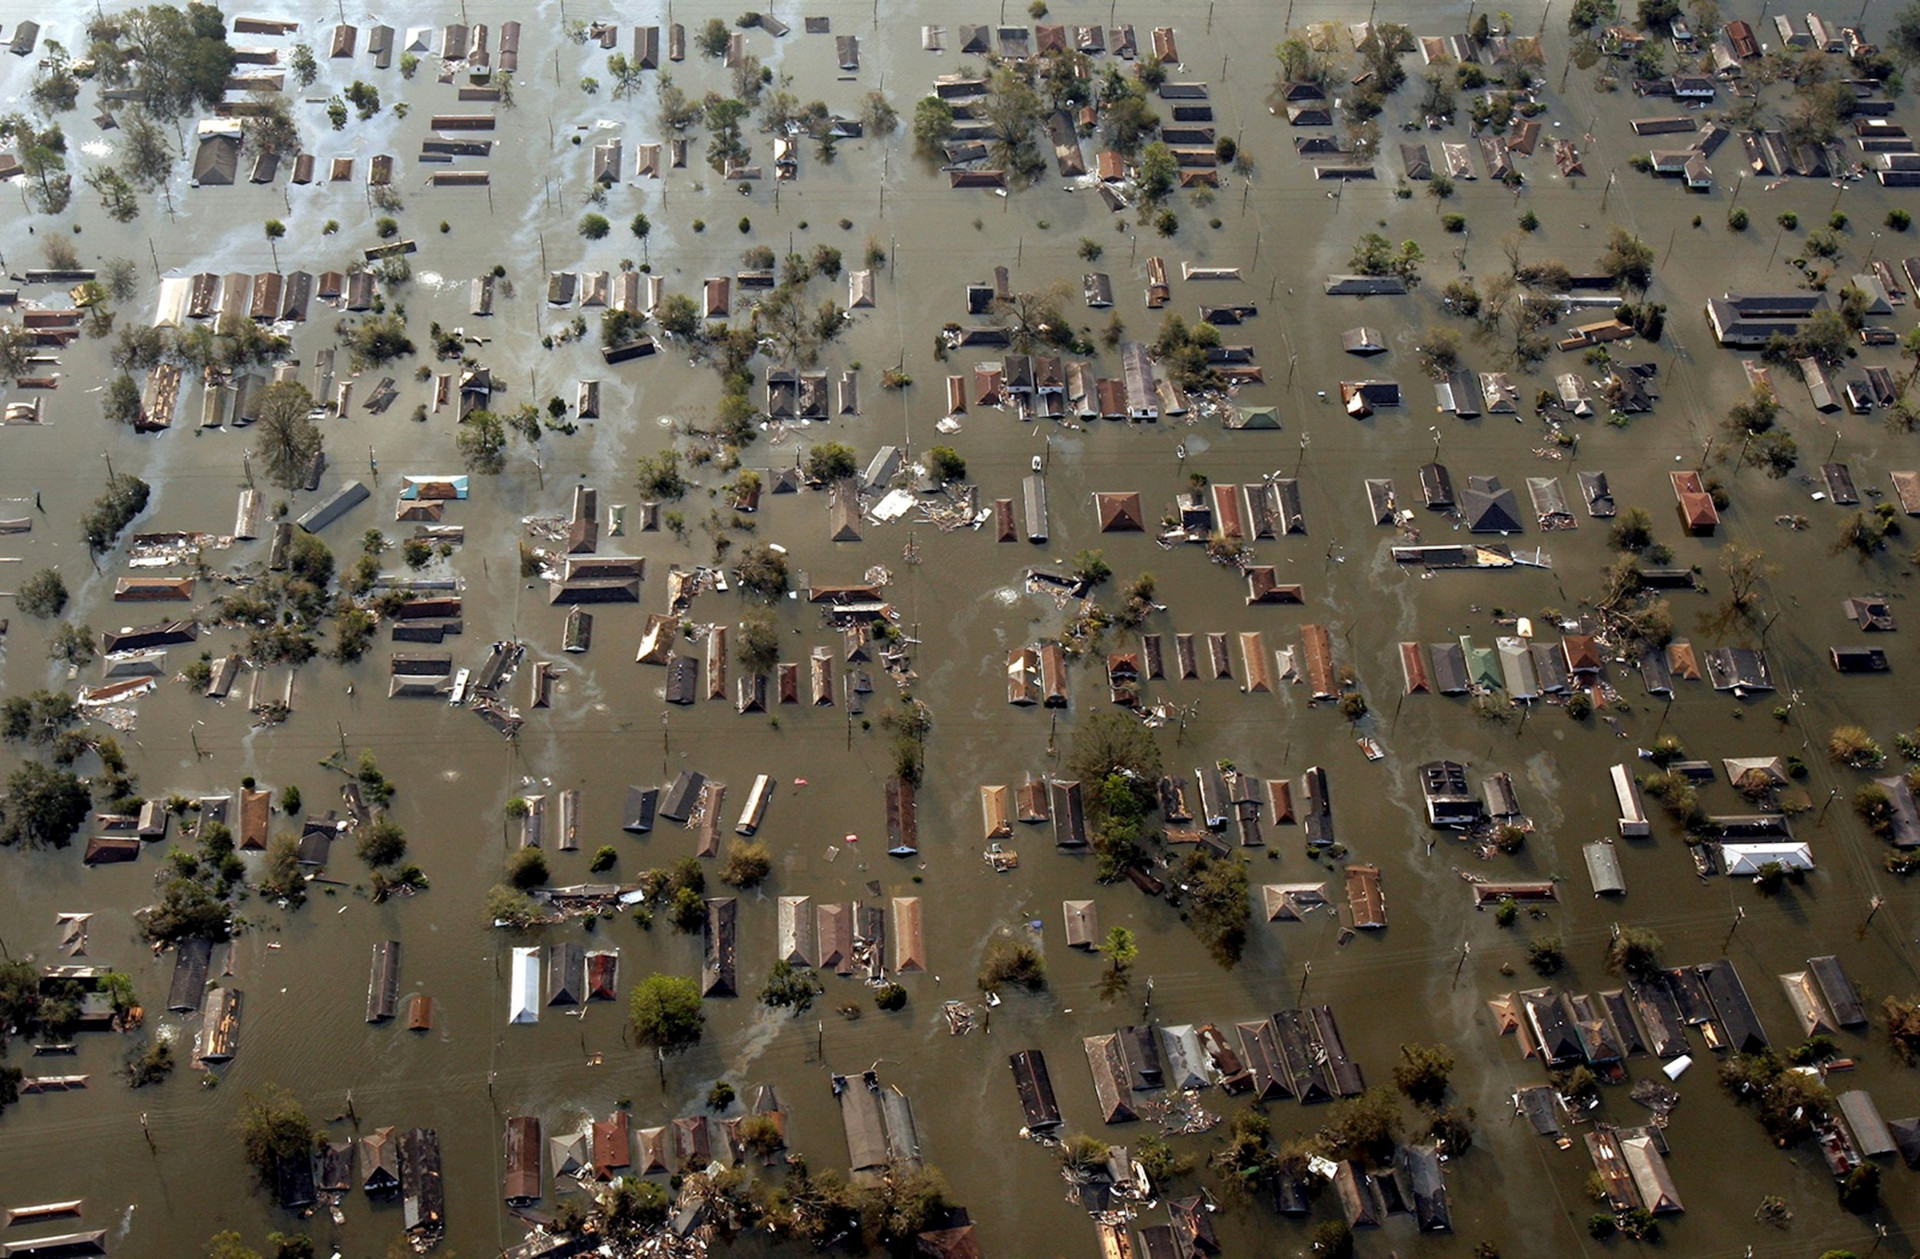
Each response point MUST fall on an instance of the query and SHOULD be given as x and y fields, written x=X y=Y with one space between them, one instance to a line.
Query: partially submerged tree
x=665 y=1013
x=273 y=1128
x=44 y=594
x=43 y=807
x=1633 y=951
x=287 y=440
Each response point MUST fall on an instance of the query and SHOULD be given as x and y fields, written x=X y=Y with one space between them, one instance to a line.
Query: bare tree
x=288 y=440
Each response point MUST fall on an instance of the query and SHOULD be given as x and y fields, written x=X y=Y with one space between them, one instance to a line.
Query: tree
x=1860 y=533
x=173 y=60
x=1547 y=954
x=759 y=647
x=1035 y=317
x=1902 y=1018
x=659 y=476
x=272 y=1127
x=946 y=464
x=594 y=226
x=71 y=644
x=1439 y=351
x=508 y=906
x=269 y=128
x=274 y=230
x=712 y=38
x=1860 y=1191
x=877 y=116
x=831 y=461
x=1627 y=260
x=288 y=441
x=1012 y=962
x=1089 y=567
x=280 y=876
x=1012 y=113
x=678 y=315
x=1745 y=568
x=116 y=194
x=1159 y=173
x=120 y=403
x=228 y=1245
x=305 y=68
x=747 y=864
x=482 y=442
x=527 y=868
x=290 y=1245
x=1333 y=1239
x=146 y=155
x=1633 y=951
x=1362 y=1127
x=377 y=340
x=1374 y=254
x=43 y=807
x=666 y=1015
x=762 y=571
x=1423 y=1072
x=1632 y=531
x=383 y=844
x=1120 y=949
x=44 y=594
x=789 y=987
x=43 y=159
x=1299 y=63
x=1218 y=908
x=20 y=996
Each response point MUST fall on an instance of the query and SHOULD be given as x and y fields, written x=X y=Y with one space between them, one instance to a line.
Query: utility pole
x=1738 y=916
x=1306 y=973
x=1873 y=907
x=1466 y=948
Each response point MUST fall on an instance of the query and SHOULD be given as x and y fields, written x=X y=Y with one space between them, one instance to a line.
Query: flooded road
x=1425 y=978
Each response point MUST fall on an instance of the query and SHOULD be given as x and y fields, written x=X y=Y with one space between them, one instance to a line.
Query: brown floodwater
x=303 y=973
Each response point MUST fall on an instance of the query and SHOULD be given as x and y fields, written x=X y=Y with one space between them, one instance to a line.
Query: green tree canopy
x=44 y=806
x=666 y=1013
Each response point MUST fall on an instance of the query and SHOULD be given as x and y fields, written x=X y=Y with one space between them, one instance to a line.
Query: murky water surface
x=303 y=974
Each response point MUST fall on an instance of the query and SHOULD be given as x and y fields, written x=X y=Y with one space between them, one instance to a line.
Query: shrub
x=1737 y=221
x=1546 y=954
x=594 y=226
x=1899 y=220
x=1013 y=963
x=1853 y=747
x=747 y=864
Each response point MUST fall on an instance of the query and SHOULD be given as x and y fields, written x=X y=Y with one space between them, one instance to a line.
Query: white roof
x=1748 y=858
x=523 y=998
x=175 y=292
